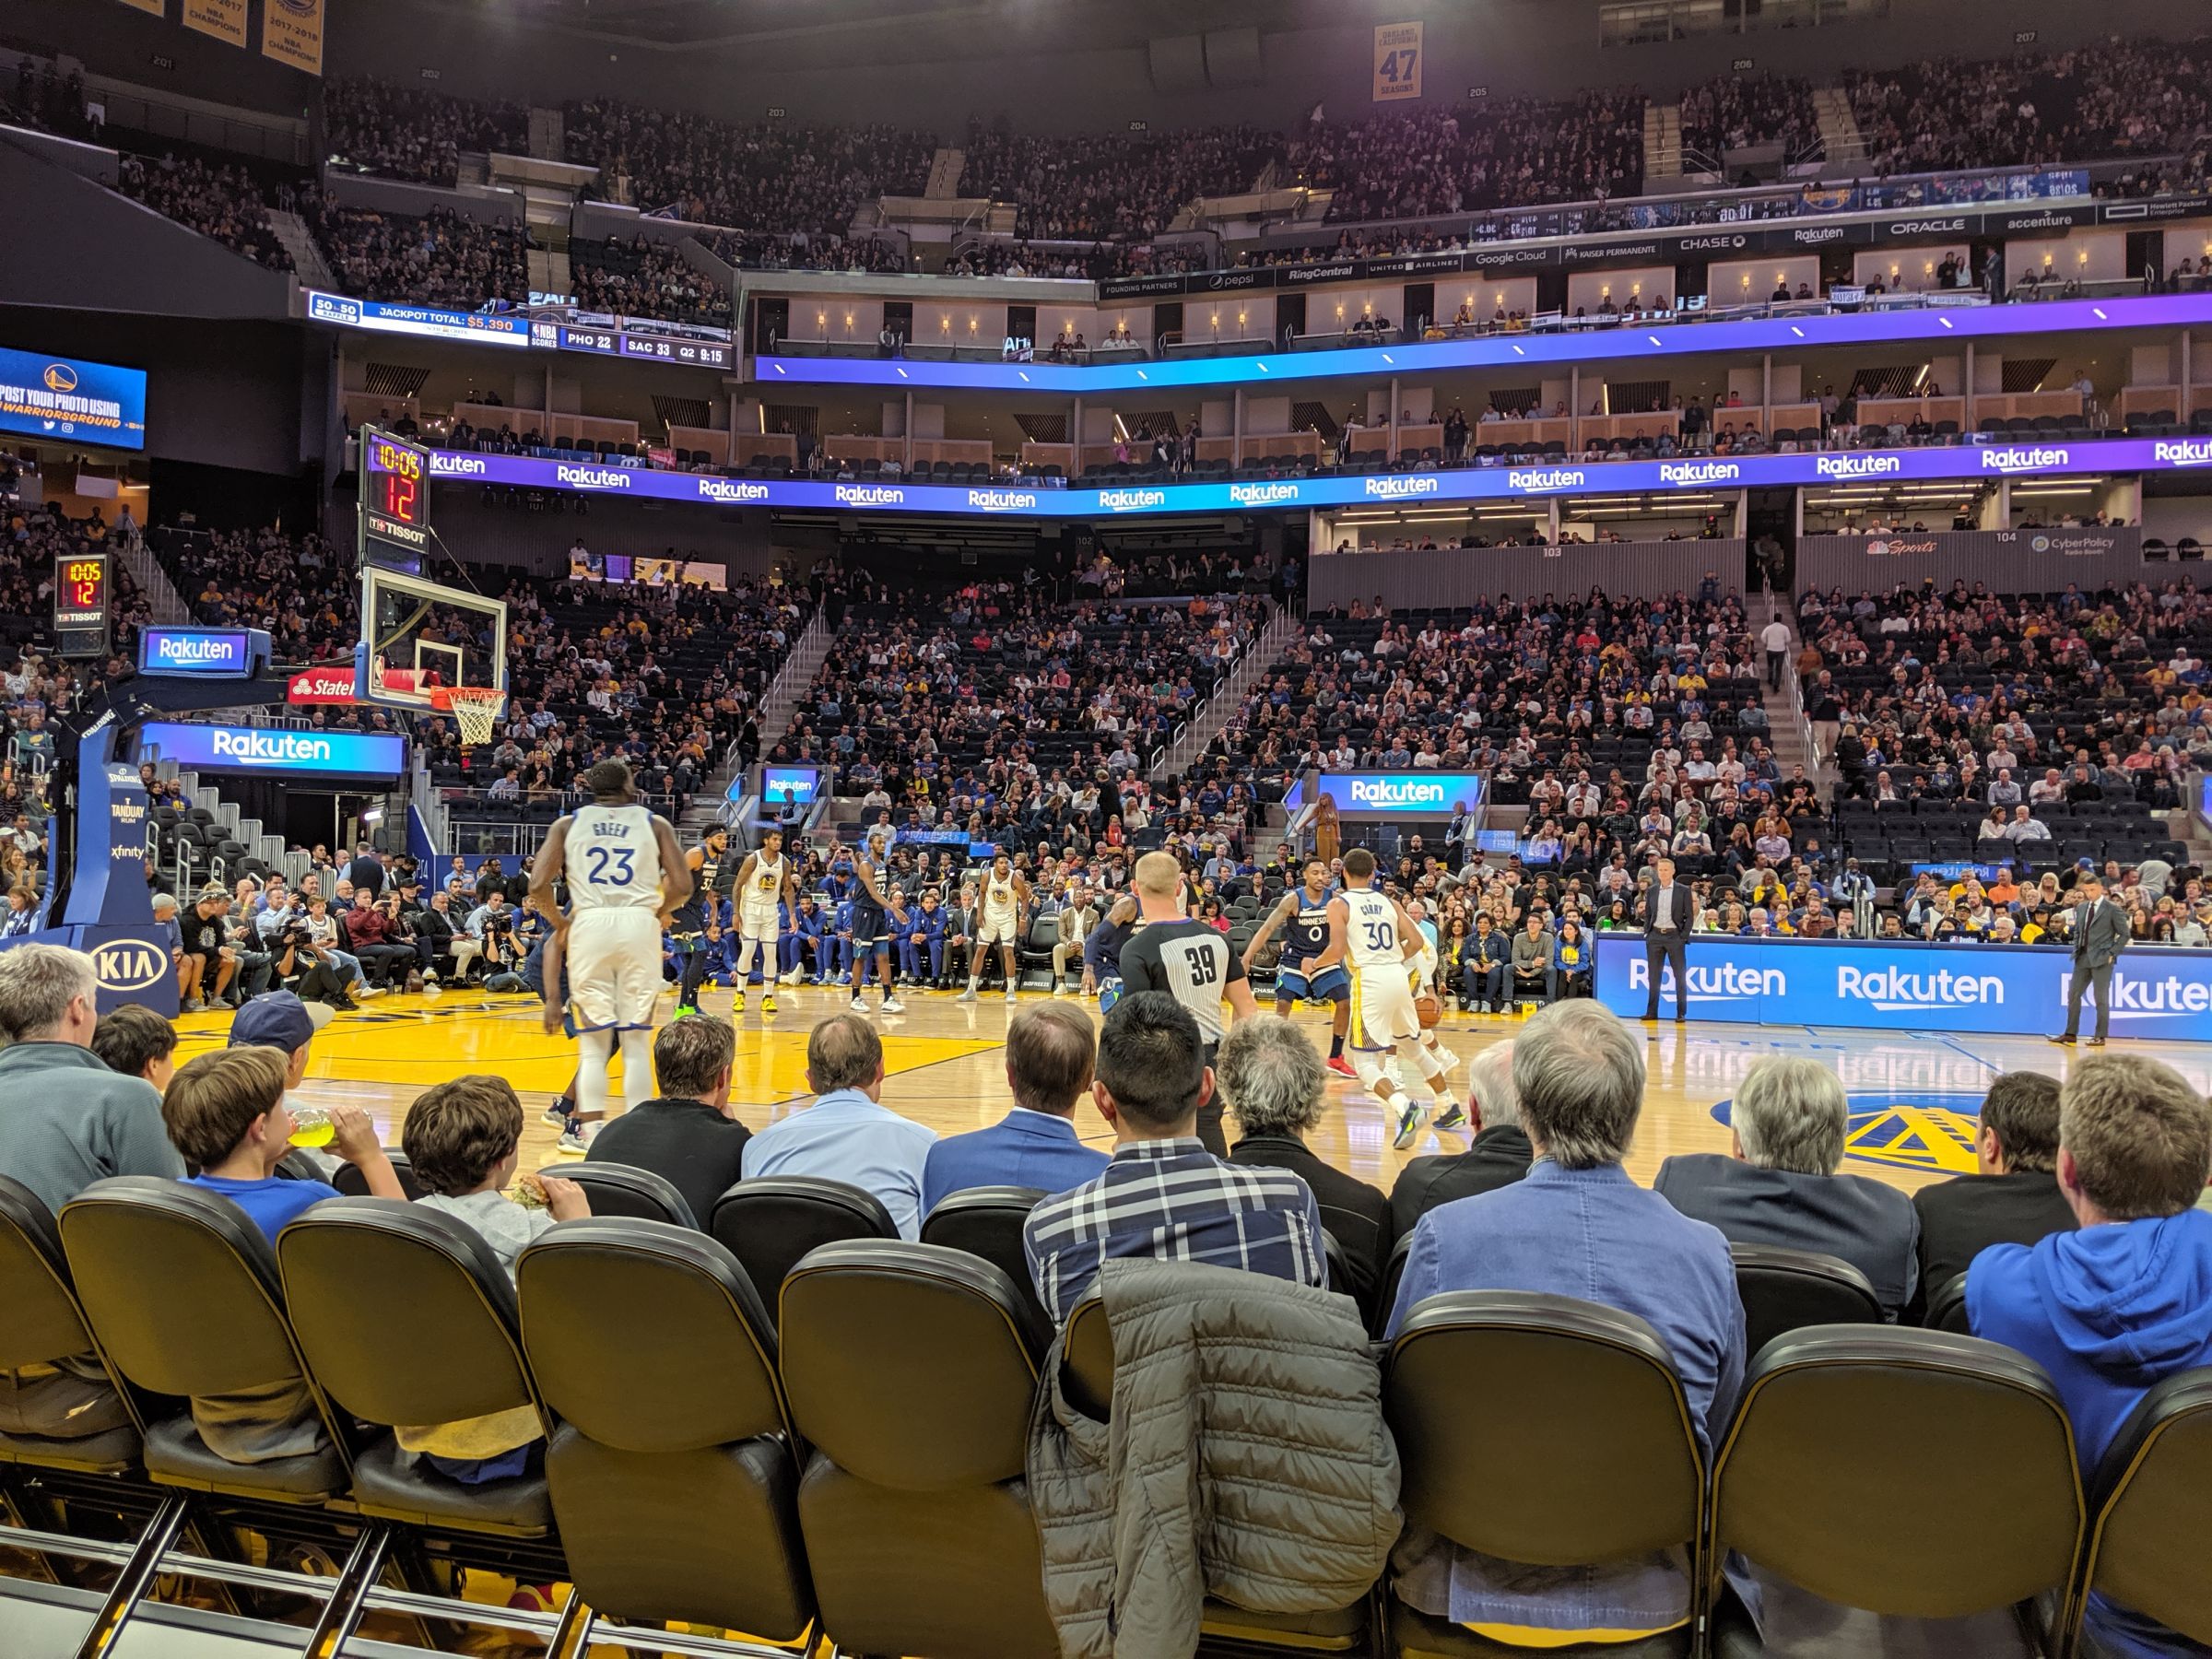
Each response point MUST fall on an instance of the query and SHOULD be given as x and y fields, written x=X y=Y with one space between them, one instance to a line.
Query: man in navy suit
x=1666 y=909
x=1049 y=1052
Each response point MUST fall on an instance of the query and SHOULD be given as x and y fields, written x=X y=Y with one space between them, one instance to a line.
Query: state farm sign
x=320 y=686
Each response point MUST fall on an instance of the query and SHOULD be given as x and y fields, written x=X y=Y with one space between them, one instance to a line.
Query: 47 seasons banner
x=1398 y=62
x=224 y=19
x=291 y=32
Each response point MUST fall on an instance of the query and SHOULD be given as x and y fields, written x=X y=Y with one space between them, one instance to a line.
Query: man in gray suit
x=2100 y=936
x=1783 y=1187
x=1665 y=910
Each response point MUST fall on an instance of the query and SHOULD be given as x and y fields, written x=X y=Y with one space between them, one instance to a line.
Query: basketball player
x=1304 y=911
x=765 y=881
x=876 y=899
x=1422 y=978
x=1374 y=935
x=1190 y=960
x=626 y=876
x=1006 y=901
x=695 y=922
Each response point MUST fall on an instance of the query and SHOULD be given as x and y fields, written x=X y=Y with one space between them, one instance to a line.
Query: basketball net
x=475 y=709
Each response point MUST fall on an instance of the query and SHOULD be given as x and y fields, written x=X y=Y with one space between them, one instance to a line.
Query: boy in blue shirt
x=226 y=1113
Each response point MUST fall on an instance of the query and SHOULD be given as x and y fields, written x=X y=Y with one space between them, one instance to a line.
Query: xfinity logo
x=2182 y=451
x=1699 y=472
x=1722 y=982
x=2014 y=458
x=1544 y=477
x=1896 y=990
x=730 y=490
x=1262 y=495
x=267 y=748
x=1942 y=227
x=1856 y=466
x=1001 y=500
x=128 y=965
x=593 y=477
x=1392 y=792
x=1132 y=500
x=869 y=495
x=1396 y=488
x=445 y=466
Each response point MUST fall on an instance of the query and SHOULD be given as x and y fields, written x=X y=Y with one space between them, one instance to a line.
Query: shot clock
x=396 y=500
x=80 y=603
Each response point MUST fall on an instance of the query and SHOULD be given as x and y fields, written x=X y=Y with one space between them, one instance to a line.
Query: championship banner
x=158 y=7
x=1398 y=62
x=291 y=32
x=224 y=19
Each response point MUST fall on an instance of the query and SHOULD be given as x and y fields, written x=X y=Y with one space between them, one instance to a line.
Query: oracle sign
x=320 y=686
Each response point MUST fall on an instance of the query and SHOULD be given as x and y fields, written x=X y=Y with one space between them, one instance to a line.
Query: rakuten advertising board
x=2021 y=990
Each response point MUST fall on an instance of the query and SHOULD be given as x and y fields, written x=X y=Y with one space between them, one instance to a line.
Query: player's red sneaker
x=1341 y=1067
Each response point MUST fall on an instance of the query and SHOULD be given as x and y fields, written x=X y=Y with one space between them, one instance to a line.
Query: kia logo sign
x=127 y=965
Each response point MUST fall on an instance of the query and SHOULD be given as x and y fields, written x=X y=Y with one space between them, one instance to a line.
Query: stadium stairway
x=945 y=170
x=1662 y=147
x=1789 y=735
x=1203 y=726
x=1839 y=131
x=307 y=258
x=776 y=710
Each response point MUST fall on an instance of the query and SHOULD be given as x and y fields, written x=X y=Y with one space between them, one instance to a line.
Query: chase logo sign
x=128 y=965
x=1932 y=1132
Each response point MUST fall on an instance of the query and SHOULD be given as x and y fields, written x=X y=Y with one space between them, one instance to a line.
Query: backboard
x=422 y=642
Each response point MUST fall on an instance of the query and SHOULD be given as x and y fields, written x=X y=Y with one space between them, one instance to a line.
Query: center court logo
x=1896 y=990
x=731 y=489
x=1001 y=500
x=1132 y=500
x=128 y=965
x=593 y=477
x=1856 y=466
x=1262 y=495
x=869 y=495
x=2182 y=451
x=1712 y=982
x=1930 y=1132
x=1539 y=478
x=1699 y=472
x=1398 y=488
x=2015 y=458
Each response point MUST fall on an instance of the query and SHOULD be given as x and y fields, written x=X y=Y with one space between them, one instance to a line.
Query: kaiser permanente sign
x=1456 y=484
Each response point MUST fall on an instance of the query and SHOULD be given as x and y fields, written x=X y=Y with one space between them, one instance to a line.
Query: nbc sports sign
x=2017 y=989
x=284 y=753
x=1401 y=794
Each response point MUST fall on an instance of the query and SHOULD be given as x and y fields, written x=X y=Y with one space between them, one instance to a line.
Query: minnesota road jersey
x=614 y=860
x=1307 y=932
x=1371 y=923
x=1190 y=961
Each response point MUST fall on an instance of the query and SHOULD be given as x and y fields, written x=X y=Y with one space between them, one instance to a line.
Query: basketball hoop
x=475 y=709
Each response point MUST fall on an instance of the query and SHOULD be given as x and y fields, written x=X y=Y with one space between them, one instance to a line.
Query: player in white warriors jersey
x=1373 y=934
x=765 y=880
x=625 y=876
x=1006 y=901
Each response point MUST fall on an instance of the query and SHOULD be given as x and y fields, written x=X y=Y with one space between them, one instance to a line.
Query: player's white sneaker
x=891 y=1004
x=1411 y=1112
x=967 y=995
x=1010 y=993
x=1450 y=1059
x=859 y=1006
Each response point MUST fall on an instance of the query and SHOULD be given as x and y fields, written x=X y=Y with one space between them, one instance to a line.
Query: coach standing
x=1667 y=910
x=2100 y=936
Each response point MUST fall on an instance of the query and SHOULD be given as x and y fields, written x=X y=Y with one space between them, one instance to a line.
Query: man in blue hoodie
x=2127 y=1301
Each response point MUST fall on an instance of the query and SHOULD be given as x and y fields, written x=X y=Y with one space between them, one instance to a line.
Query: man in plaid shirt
x=1164 y=1195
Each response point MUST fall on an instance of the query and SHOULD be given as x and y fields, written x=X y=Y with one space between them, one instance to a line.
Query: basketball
x=1430 y=1008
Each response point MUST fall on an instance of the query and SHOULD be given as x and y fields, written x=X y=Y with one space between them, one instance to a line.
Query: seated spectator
x=690 y=1134
x=2012 y=1196
x=2126 y=1300
x=1050 y=1051
x=227 y=1115
x=1577 y=1226
x=1164 y=1195
x=848 y=1133
x=1533 y=963
x=134 y=1042
x=66 y=1119
x=1499 y=1156
x=1780 y=1183
x=1274 y=1084
x=464 y=1138
x=280 y=1020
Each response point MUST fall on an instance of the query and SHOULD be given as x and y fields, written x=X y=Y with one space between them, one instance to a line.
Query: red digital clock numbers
x=402 y=499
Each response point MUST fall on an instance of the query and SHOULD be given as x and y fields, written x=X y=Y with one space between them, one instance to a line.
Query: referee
x=1192 y=963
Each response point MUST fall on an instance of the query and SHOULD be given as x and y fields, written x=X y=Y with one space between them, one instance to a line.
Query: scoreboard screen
x=80 y=593
x=395 y=499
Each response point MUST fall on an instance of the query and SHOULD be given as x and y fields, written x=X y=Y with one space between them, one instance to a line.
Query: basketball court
x=1912 y=1096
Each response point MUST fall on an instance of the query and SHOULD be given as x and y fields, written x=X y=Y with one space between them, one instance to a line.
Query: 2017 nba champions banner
x=291 y=32
x=2157 y=992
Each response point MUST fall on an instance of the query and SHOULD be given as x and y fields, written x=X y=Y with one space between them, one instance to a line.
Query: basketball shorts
x=1382 y=1011
x=614 y=968
x=1330 y=984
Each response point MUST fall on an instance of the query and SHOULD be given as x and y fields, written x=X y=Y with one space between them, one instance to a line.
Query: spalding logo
x=60 y=377
x=126 y=965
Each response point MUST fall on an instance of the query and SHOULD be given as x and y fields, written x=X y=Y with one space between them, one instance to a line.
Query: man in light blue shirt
x=1577 y=1226
x=848 y=1135
x=1050 y=1051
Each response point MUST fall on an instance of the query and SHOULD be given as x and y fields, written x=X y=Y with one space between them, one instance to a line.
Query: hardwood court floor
x=1913 y=1096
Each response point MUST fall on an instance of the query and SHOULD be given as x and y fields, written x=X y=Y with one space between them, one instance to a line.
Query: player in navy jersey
x=1303 y=915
